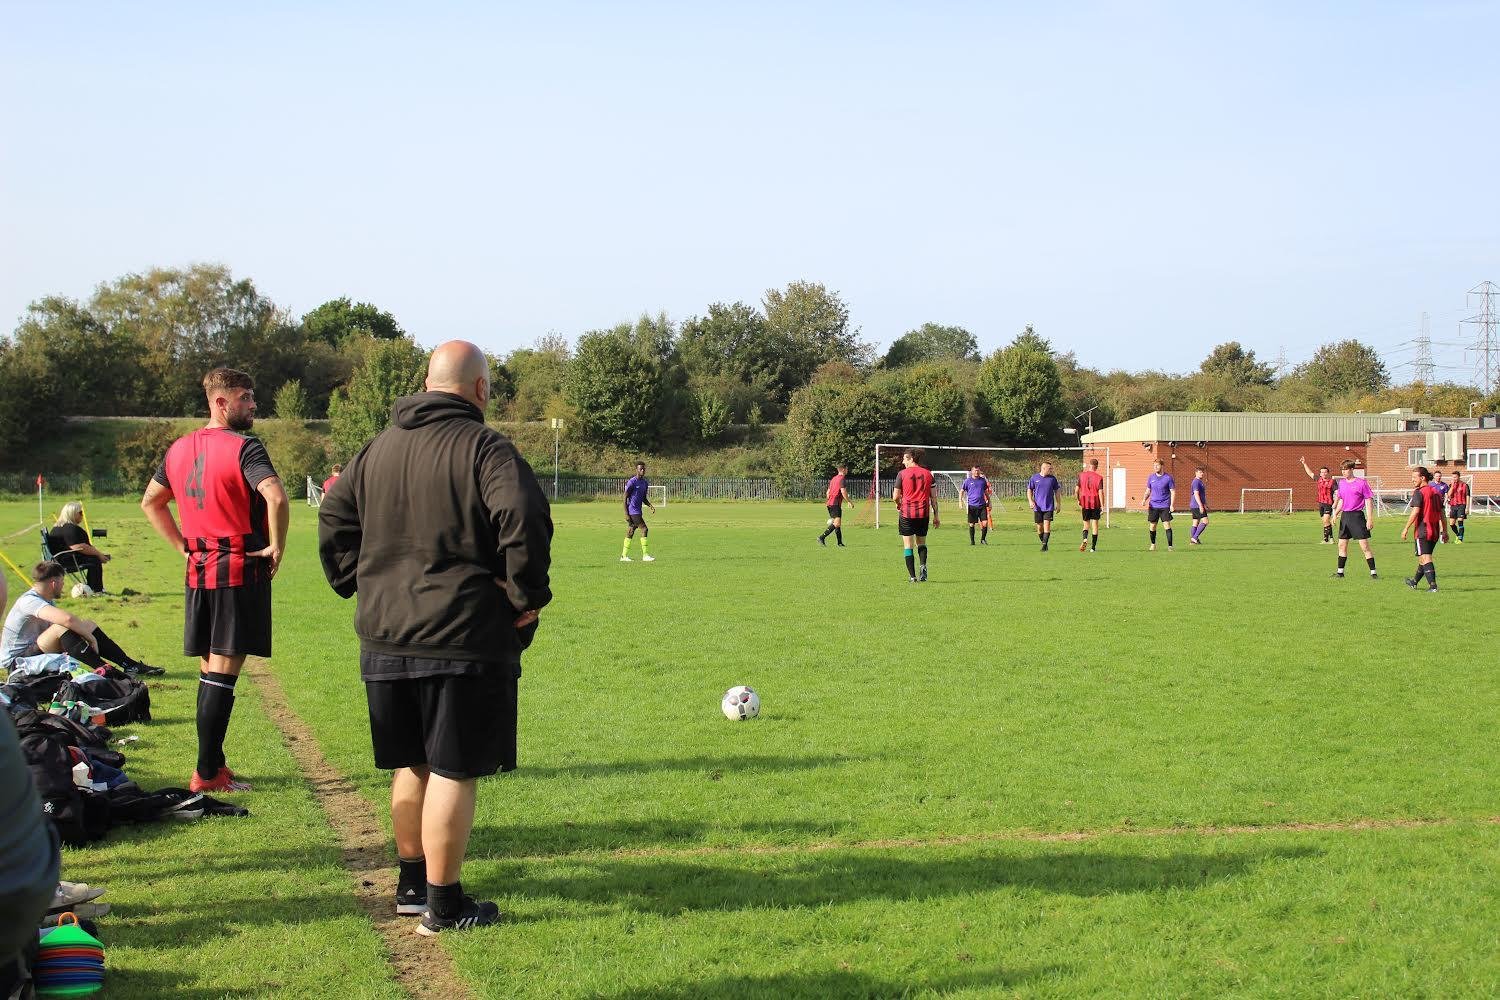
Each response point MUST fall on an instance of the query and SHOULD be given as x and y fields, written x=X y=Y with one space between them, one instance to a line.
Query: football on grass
x=740 y=703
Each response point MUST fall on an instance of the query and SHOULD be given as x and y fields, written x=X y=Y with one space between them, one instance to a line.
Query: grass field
x=1210 y=772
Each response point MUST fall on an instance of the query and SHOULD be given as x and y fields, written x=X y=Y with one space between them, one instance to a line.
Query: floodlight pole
x=557 y=426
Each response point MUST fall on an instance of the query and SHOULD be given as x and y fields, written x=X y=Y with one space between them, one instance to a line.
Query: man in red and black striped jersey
x=1323 y=481
x=1425 y=522
x=234 y=517
x=914 y=504
x=1458 y=507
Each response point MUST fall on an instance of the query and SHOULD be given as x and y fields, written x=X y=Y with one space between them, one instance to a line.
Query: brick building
x=1469 y=447
x=1237 y=451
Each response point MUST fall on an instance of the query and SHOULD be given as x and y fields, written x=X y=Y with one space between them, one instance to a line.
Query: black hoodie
x=442 y=529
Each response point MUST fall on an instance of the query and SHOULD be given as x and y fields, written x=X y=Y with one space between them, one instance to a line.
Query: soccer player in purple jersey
x=977 y=495
x=637 y=492
x=1198 y=506
x=1354 y=506
x=1042 y=492
x=1161 y=497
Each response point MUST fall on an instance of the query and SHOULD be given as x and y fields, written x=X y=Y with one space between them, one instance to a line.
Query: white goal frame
x=314 y=493
x=1080 y=449
x=1266 y=489
x=652 y=489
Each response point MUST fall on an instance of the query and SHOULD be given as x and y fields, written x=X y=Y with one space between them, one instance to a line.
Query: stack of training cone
x=70 y=962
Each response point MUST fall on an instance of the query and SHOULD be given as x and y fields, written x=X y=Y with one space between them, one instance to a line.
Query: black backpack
x=79 y=816
x=121 y=699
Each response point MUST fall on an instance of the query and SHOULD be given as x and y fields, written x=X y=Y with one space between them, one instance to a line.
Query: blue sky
x=1139 y=180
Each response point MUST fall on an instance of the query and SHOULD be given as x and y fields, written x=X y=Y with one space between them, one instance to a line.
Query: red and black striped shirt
x=915 y=487
x=213 y=474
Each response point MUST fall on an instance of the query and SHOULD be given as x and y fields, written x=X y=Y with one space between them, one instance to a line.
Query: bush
x=291 y=401
x=713 y=417
x=138 y=454
x=296 y=452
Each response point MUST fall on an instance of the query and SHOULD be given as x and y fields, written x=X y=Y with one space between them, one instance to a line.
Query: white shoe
x=648 y=559
x=624 y=559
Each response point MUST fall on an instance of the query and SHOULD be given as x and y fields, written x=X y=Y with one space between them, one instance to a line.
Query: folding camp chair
x=75 y=572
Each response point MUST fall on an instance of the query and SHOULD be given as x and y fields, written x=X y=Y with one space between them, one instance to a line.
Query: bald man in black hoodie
x=442 y=529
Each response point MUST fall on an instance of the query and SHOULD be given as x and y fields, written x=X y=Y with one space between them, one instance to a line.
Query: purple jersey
x=1353 y=493
x=635 y=493
x=974 y=488
x=1199 y=499
x=1043 y=491
x=1442 y=488
x=1160 y=485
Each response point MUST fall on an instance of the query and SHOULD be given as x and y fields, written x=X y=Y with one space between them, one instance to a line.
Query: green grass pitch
x=1208 y=772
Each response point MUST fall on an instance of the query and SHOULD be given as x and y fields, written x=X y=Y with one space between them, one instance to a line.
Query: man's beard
x=243 y=422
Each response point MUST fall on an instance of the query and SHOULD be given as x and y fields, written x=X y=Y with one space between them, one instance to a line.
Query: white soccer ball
x=740 y=703
x=82 y=590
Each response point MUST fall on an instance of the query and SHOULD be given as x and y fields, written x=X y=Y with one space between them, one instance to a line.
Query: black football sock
x=1370 y=562
x=1169 y=538
x=911 y=564
x=110 y=650
x=215 y=703
x=1327 y=532
x=1421 y=572
x=1094 y=541
x=1431 y=574
x=826 y=532
x=445 y=901
x=1342 y=560
x=1153 y=536
x=838 y=535
x=922 y=554
x=1046 y=537
x=1085 y=534
x=79 y=649
x=984 y=534
x=971 y=534
x=411 y=874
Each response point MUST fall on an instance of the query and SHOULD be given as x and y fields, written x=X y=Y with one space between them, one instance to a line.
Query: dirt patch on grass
x=420 y=965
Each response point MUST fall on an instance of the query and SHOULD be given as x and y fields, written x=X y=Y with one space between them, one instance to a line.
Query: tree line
x=139 y=345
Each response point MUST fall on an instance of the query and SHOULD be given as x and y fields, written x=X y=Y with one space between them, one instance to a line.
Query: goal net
x=1276 y=501
x=658 y=495
x=1008 y=470
x=314 y=493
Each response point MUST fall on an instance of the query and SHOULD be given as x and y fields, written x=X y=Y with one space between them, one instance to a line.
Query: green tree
x=1020 y=386
x=615 y=388
x=1236 y=365
x=1346 y=367
x=811 y=325
x=929 y=404
x=732 y=352
x=931 y=342
x=362 y=409
x=713 y=417
x=336 y=320
x=831 y=422
x=78 y=364
x=537 y=374
x=291 y=401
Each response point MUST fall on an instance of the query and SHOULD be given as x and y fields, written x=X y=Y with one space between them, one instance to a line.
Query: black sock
x=215 y=703
x=79 y=649
x=838 y=535
x=984 y=533
x=110 y=650
x=1431 y=574
x=1421 y=572
x=971 y=534
x=1046 y=537
x=1169 y=538
x=1153 y=536
x=827 y=531
x=1327 y=532
x=1094 y=542
x=445 y=900
x=1342 y=560
x=911 y=566
x=411 y=874
x=1370 y=562
x=1085 y=534
x=922 y=554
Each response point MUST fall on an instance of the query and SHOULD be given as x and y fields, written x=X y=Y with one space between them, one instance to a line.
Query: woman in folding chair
x=68 y=543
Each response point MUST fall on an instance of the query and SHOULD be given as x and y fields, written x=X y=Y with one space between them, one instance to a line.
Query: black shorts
x=1154 y=514
x=1198 y=514
x=230 y=621
x=1091 y=513
x=912 y=526
x=1425 y=545
x=458 y=727
x=977 y=514
x=1352 y=525
x=1458 y=510
x=635 y=521
x=835 y=510
x=1043 y=515
x=1325 y=509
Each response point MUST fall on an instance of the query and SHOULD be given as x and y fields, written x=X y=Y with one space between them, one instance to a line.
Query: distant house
x=1238 y=451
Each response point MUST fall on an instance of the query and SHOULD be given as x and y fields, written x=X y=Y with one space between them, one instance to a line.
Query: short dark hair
x=47 y=569
x=226 y=378
x=1350 y=463
x=914 y=454
x=1422 y=471
x=1200 y=469
x=842 y=467
x=1093 y=463
x=337 y=468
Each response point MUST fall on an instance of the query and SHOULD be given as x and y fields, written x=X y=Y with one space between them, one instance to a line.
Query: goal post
x=1005 y=483
x=1276 y=500
x=651 y=491
x=314 y=493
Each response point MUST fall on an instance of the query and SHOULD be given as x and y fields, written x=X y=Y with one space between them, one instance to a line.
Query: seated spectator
x=39 y=637
x=328 y=483
x=70 y=546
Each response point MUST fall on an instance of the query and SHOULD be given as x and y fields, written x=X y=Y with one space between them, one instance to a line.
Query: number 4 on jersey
x=195 y=481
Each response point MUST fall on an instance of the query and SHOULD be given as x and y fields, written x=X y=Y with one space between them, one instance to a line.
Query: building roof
x=1177 y=425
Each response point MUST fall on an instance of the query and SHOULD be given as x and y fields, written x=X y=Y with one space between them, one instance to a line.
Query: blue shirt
x=1160 y=486
x=1200 y=495
x=1043 y=491
x=635 y=493
x=974 y=490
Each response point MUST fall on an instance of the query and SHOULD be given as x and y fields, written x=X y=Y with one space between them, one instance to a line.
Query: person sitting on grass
x=70 y=546
x=39 y=637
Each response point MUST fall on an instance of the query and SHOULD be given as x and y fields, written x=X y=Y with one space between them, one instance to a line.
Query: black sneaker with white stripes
x=474 y=913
